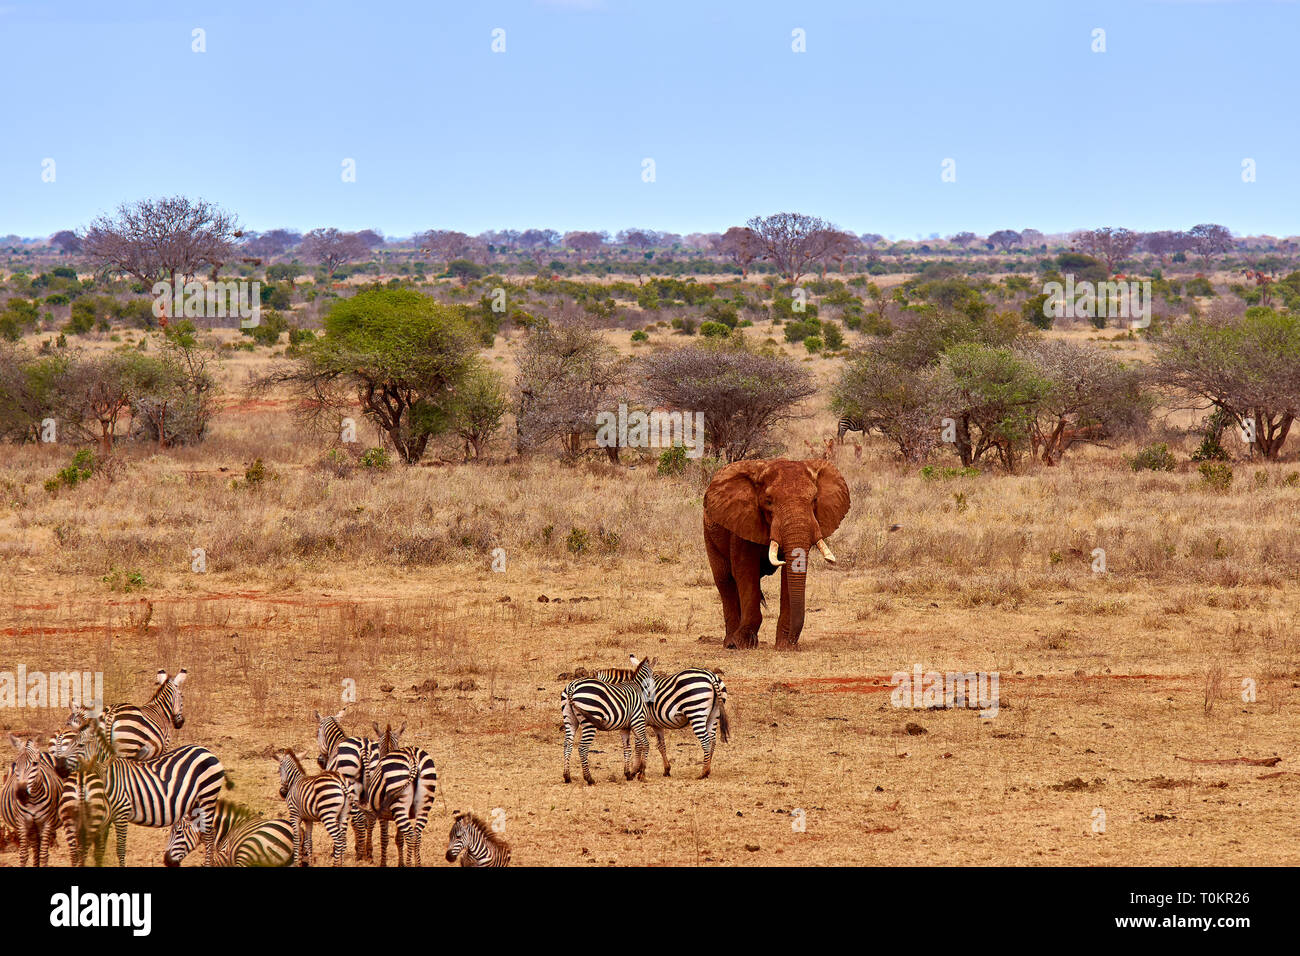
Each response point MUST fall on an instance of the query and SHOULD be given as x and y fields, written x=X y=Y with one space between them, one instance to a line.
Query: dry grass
x=384 y=578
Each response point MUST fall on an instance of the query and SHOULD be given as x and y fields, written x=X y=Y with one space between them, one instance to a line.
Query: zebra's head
x=24 y=771
x=183 y=838
x=290 y=770
x=63 y=746
x=389 y=739
x=644 y=674
x=328 y=734
x=456 y=839
x=178 y=709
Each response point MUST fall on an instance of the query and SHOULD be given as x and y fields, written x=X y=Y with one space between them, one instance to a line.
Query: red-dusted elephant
x=764 y=515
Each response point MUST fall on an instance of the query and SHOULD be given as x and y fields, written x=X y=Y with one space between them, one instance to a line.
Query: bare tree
x=1208 y=240
x=740 y=245
x=1004 y=239
x=792 y=240
x=963 y=239
x=839 y=246
x=743 y=395
x=1111 y=244
x=538 y=238
x=66 y=241
x=272 y=243
x=157 y=239
x=332 y=248
x=585 y=243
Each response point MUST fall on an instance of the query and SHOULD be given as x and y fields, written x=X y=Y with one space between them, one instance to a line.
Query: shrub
x=81 y=468
x=377 y=458
x=1153 y=458
x=1216 y=474
x=672 y=461
x=640 y=336
x=714 y=330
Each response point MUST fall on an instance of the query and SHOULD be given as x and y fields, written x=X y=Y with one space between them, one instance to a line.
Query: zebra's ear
x=635 y=663
x=180 y=677
x=18 y=744
x=339 y=715
x=316 y=714
x=401 y=730
x=378 y=732
x=162 y=677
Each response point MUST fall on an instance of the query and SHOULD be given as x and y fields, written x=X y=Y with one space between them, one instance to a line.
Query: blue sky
x=553 y=132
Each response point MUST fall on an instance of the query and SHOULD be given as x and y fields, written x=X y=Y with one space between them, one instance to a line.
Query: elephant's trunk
x=796 y=542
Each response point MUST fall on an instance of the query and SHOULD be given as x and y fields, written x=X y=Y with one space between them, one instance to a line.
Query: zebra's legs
x=584 y=745
x=627 y=753
x=705 y=728
x=306 y=842
x=119 y=830
x=340 y=835
x=663 y=750
x=206 y=819
x=383 y=841
x=48 y=839
x=642 y=749
x=569 y=721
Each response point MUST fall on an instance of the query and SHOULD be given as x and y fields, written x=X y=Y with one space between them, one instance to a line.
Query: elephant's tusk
x=771 y=554
x=825 y=549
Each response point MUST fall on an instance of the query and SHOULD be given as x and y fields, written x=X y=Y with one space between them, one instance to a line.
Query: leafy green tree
x=400 y=353
x=992 y=395
x=480 y=408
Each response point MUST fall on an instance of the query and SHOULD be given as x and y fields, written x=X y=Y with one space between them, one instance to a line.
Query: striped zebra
x=160 y=792
x=589 y=704
x=349 y=757
x=849 y=424
x=693 y=696
x=141 y=733
x=475 y=844
x=400 y=786
x=319 y=799
x=83 y=804
x=29 y=801
x=242 y=838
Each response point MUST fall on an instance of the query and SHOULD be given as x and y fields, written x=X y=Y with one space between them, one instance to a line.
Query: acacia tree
x=480 y=407
x=888 y=397
x=162 y=239
x=1004 y=239
x=1246 y=366
x=1111 y=244
x=1208 y=240
x=1091 y=397
x=792 y=240
x=585 y=244
x=743 y=395
x=992 y=395
x=740 y=245
x=401 y=354
x=838 y=247
x=332 y=248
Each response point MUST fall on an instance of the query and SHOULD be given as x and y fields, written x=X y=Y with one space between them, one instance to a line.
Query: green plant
x=1153 y=458
x=376 y=457
x=672 y=461
x=80 y=469
x=1216 y=474
x=578 y=541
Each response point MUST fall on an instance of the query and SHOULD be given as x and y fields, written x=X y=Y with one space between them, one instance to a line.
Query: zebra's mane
x=296 y=762
x=488 y=833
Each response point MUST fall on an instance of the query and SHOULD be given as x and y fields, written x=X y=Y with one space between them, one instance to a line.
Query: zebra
x=141 y=733
x=319 y=799
x=693 y=696
x=29 y=801
x=83 y=806
x=475 y=843
x=349 y=756
x=849 y=424
x=590 y=704
x=401 y=783
x=160 y=792
x=242 y=838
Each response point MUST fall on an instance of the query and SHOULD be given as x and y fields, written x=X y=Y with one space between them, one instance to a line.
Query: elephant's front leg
x=746 y=561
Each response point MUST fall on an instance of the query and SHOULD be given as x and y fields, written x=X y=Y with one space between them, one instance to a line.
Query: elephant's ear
x=732 y=501
x=832 y=496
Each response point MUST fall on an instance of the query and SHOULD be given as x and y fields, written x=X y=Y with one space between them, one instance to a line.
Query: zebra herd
x=107 y=771
x=101 y=773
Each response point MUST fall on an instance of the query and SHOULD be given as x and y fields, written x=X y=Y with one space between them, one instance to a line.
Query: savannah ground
x=1118 y=690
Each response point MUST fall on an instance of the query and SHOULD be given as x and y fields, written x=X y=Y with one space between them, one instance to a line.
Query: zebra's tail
x=724 y=724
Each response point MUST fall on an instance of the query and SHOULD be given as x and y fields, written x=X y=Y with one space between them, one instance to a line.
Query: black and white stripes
x=474 y=844
x=400 y=786
x=591 y=704
x=320 y=799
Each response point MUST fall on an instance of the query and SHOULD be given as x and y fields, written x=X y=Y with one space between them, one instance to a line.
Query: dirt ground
x=1126 y=732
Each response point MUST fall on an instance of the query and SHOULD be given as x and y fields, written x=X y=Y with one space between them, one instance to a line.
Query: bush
x=377 y=458
x=80 y=469
x=1216 y=474
x=813 y=343
x=714 y=330
x=1153 y=458
x=672 y=461
x=640 y=336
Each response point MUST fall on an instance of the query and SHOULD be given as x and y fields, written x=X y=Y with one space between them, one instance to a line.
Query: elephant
x=764 y=515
